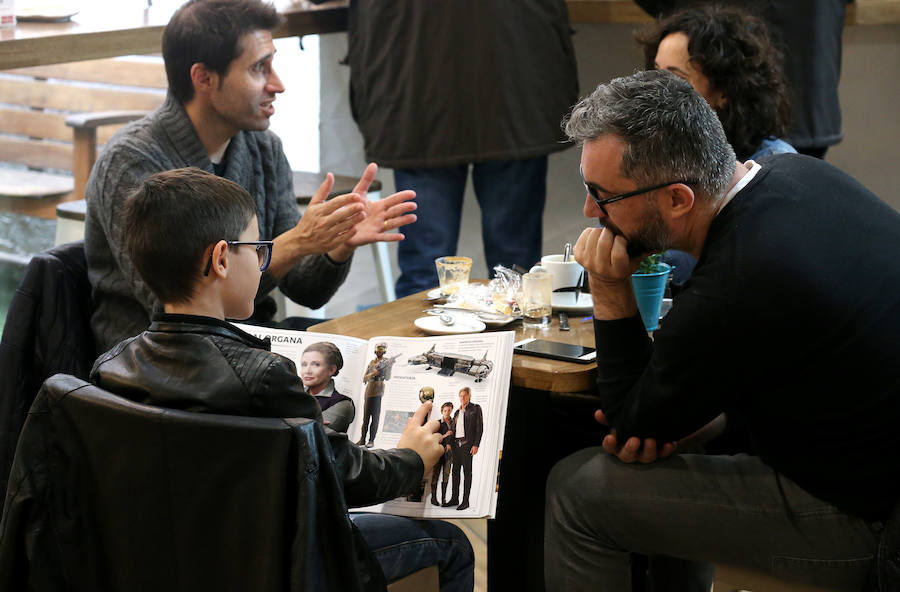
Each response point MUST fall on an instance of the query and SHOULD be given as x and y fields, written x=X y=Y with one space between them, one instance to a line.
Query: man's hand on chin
x=604 y=255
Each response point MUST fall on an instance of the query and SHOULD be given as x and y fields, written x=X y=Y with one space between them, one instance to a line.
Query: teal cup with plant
x=649 y=283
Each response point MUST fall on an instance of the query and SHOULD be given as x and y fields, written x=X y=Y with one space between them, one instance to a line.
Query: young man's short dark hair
x=209 y=32
x=447 y=404
x=171 y=221
x=330 y=352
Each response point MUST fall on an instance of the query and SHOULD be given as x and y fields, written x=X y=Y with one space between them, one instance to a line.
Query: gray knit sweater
x=165 y=140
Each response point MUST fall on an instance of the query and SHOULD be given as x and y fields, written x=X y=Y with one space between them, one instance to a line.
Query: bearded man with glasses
x=790 y=320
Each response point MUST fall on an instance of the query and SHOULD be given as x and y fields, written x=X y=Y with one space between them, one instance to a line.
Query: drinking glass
x=537 y=290
x=453 y=273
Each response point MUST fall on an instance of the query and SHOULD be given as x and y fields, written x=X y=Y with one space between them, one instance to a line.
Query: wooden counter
x=116 y=31
x=860 y=12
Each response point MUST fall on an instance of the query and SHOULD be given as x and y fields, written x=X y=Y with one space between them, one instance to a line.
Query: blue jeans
x=511 y=195
x=403 y=546
x=733 y=510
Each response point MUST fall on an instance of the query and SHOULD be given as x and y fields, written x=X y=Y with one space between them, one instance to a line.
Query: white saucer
x=463 y=323
x=566 y=302
x=434 y=294
x=497 y=322
x=488 y=318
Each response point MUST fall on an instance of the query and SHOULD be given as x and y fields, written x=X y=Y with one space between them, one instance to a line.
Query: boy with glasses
x=194 y=239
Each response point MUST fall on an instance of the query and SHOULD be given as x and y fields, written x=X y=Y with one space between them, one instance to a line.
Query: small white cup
x=565 y=274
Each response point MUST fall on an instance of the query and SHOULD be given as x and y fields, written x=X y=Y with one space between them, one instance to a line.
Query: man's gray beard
x=653 y=236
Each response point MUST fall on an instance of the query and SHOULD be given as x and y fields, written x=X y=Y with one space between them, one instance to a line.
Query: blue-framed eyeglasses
x=601 y=203
x=263 y=253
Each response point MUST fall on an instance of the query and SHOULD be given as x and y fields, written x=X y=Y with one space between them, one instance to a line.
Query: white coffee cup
x=565 y=274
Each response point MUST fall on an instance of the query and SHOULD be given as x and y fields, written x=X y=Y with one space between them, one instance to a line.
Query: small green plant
x=651 y=264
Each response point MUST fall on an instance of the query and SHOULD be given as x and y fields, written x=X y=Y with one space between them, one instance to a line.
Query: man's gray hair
x=669 y=131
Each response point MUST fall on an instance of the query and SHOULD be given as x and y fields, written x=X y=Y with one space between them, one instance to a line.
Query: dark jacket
x=204 y=365
x=334 y=399
x=803 y=347
x=474 y=424
x=436 y=83
x=47 y=331
x=109 y=495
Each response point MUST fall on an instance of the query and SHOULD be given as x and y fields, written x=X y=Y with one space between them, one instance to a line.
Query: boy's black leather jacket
x=205 y=365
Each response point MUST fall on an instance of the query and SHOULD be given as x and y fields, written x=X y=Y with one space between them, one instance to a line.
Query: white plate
x=497 y=322
x=463 y=323
x=566 y=302
x=433 y=294
x=487 y=318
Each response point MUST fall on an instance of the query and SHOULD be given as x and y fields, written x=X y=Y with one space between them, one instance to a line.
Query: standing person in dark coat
x=469 y=429
x=439 y=86
x=810 y=34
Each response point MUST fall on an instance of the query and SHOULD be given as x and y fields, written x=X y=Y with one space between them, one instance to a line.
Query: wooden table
x=396 y=318
x=548 y=417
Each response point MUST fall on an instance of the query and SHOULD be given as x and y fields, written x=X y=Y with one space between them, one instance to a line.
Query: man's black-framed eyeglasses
x=263 y=252
x=601 y=203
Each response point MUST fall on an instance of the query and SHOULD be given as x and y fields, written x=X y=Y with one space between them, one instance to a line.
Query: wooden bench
x=54 y=119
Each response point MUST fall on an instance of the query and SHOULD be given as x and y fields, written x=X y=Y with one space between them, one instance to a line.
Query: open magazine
x=387 y=378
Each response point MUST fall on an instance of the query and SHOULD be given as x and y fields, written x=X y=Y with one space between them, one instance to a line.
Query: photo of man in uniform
x=377 y=373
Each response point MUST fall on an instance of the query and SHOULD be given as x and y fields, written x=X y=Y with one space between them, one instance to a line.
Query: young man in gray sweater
x=218 y=56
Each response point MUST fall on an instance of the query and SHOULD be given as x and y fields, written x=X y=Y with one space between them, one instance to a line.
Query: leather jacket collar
x=184 y=323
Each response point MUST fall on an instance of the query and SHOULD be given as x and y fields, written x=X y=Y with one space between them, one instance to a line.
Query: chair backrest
x=53 y=119
x=47 y=331
x=133 y=497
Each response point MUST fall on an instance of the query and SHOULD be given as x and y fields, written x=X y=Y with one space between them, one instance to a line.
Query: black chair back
x=107 y=494
x=47 y=331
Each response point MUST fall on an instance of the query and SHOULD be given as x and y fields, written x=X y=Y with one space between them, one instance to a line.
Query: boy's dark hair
x=735 y=52
x=331 y=353
x=171 y=221
x=447 y=404
x=209 y=32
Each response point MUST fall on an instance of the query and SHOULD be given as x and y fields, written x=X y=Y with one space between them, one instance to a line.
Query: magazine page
x=467 y=377
x=293 y=345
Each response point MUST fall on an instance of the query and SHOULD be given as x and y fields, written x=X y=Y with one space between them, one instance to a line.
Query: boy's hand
x=423 y=439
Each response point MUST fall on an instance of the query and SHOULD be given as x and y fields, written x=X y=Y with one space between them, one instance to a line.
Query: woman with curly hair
x=727 y=56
